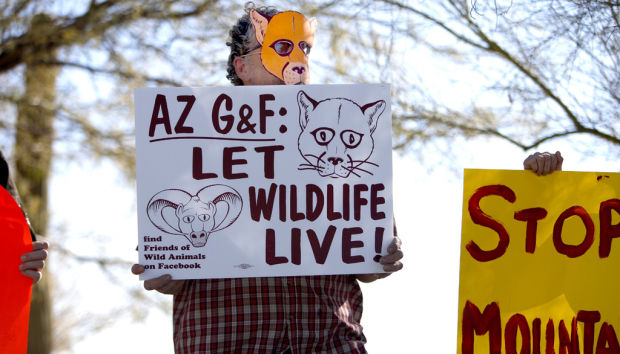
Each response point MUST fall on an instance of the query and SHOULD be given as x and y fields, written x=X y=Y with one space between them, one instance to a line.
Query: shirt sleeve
x=7 y=183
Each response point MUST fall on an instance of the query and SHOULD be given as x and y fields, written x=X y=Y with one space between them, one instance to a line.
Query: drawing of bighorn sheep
x=213 y=208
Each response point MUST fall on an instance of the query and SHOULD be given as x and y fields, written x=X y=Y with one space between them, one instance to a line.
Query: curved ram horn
x=166 y=198
x=228 y=204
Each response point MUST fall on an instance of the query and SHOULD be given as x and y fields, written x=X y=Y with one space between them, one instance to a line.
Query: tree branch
x=47 y=36
x=121 y=73
x=435 y=119
x=435 y=21
x=100 y=261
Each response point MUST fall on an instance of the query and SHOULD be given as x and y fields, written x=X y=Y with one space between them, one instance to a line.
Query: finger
x=368 y=278
x=38 y=265
x=554 y=163
x=394 y=267
x=34 y=256
x=529 y=163
x=540 y=164
x=137 y=269
x=36 y=276
x=391 y=258
x=560 y=160
x=172 y=288
x=547 y=164
x=157 y=283
x=163 y=282
x=39 y=245
x=168 y=288
x=381 y=275
x=394 y=245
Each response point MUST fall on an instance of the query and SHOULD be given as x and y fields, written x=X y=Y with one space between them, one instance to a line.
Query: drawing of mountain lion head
x=336 y=135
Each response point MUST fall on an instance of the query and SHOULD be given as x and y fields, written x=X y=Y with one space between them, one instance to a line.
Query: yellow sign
x=540 y=263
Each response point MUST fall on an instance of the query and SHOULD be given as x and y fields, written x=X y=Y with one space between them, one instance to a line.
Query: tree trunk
x=33 y=158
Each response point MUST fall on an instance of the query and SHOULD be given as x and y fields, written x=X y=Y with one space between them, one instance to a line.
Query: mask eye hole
x=350 y=138
x=283 y=47
x=203 y=217
x=188 y=219
x=323 y=136
x=305 y=47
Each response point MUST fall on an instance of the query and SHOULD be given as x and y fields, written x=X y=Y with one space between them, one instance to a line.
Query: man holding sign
x=271 y=314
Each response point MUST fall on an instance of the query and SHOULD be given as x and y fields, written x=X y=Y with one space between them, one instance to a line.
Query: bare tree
x=32 y=154
x=550 y=69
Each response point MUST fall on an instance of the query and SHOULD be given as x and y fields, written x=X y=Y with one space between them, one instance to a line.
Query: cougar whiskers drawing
x=336 y=135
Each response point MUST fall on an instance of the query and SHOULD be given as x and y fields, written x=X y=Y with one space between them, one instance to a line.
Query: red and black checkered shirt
x=317 y=314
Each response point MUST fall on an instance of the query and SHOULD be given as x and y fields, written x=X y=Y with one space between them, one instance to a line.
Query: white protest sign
x=263 y=180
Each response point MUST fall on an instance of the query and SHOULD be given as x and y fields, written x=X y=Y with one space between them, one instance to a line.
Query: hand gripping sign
x=16 y=290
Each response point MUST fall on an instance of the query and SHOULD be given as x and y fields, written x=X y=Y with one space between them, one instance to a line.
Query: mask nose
x=299 y=69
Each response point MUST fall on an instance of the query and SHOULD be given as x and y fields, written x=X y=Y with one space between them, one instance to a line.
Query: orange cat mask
x=286 y=39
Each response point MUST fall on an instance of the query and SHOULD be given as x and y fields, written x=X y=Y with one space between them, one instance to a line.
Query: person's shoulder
x=4 y=171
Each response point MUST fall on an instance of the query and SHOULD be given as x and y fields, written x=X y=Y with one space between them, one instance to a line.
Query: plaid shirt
x=317 y=314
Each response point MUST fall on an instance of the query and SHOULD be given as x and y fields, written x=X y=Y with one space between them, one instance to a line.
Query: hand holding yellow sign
x=539 y=258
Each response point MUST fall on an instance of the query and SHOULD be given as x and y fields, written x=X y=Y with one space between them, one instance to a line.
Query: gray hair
x=240 y=36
